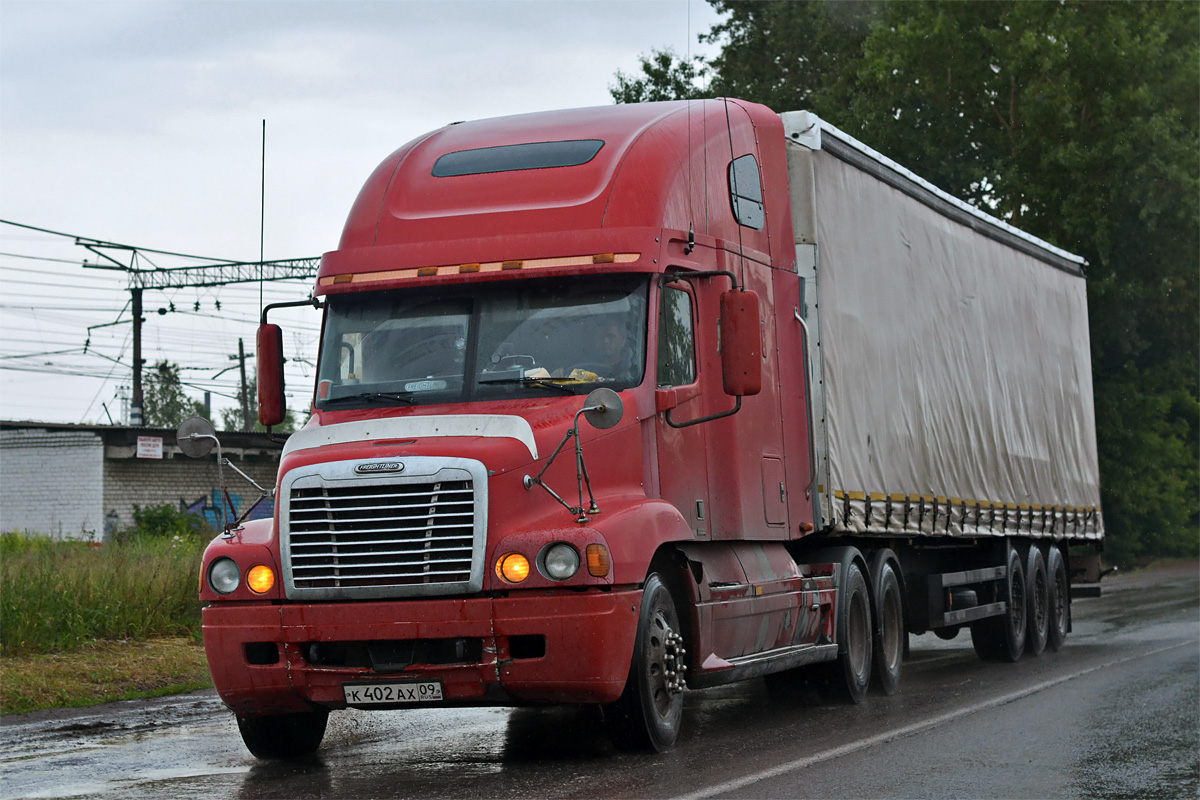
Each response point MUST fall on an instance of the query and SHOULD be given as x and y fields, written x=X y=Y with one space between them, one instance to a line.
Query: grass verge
x=101 y=673
x=55 y=595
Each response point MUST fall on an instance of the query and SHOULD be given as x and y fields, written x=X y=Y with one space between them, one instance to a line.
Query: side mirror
x=741 y=356
x=196 y=437
x=269 y=355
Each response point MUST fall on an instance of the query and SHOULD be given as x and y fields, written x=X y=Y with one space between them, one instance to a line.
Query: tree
x=164 y=404
x=1079 y=122
x=665 y=76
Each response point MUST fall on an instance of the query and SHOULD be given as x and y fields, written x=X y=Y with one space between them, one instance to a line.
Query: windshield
x=483 y=341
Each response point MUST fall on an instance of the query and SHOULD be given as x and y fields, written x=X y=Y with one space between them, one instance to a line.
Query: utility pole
x=218 y=274
x=245 y=389
x=135 y=410
x=127 y=258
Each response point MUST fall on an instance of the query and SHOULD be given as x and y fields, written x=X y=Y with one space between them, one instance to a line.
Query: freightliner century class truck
x=617 y=403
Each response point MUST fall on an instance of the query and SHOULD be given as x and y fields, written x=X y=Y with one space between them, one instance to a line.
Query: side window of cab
x=745 y=192
x=676 y=338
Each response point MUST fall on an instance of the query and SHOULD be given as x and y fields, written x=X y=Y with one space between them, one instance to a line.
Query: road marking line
x=909 y=730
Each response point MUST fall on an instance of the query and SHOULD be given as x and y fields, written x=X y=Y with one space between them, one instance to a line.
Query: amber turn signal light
x=513 y=567
x=260 y=579
x=598 y=561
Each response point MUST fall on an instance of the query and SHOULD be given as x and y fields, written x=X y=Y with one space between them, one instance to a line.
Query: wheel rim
x=1017 y=611
x=891 y=629
x=1040 y=601
x=1060 y=600
x=664 y=663
x=857 y=644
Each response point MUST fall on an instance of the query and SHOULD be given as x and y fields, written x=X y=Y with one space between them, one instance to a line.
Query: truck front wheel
x=283 y=735
x=649 y=711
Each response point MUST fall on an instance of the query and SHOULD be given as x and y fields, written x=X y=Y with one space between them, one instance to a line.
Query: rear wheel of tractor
x=850 y=674
x=1002 y=638
x=649 y=711
x=283 y=735
x=1037 y=590
x=1060 y=600
x=888 y=651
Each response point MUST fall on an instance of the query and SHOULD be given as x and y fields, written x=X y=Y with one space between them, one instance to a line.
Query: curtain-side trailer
x=615 y=403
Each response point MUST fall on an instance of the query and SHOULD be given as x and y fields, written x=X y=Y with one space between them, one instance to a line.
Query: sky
x=141 y=123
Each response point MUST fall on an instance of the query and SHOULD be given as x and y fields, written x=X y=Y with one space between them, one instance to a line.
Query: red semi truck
x=614 y=403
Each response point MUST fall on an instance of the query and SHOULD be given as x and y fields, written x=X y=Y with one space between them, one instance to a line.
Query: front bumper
x=588 y=648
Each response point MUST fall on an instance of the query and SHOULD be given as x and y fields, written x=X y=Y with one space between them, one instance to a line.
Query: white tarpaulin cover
x=958 y=385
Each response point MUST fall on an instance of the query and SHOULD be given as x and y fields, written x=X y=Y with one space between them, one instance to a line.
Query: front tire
x=647 y=716
x=283 y=735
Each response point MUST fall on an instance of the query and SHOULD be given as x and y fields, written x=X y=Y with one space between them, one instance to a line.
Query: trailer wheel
x=1037 y=590
x=888 y=649
x=1002 y=638
x=283 y=735
x=850 y=674
x=1060 y=600
x=648 y=713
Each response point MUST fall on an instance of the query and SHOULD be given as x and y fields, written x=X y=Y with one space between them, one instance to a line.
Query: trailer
x=617 y=403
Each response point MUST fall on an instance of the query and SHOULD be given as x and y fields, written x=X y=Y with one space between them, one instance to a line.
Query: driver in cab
x=608 y=355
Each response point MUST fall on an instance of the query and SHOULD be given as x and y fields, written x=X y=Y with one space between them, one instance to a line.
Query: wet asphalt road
x=1116 y=714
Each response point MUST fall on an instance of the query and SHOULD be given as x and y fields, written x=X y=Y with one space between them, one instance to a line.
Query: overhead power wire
x=76 y=261
x=110 y=244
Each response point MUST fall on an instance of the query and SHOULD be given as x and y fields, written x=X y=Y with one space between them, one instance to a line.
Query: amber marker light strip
x=360 y=278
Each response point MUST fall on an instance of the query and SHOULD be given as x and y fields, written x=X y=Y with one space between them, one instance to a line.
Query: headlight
x=223 y=575
x=560 y=561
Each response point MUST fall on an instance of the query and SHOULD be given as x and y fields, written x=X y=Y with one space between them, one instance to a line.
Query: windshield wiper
x=564 y=384
x=371 y=397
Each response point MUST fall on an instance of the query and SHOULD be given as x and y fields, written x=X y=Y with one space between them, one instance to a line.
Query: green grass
x=82 y=624
x=57 y=595
x=101 y=673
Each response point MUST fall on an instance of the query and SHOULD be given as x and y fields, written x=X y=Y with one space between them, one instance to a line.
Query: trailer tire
x=648 y=713
x=890 y=631
x=850 y=675
x=1002 y=638
x=1060 y=600
x=283 y=735
x=1037 y=592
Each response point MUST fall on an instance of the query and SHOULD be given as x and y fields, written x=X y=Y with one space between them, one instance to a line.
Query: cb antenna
x=687 y=50
x=262 y=213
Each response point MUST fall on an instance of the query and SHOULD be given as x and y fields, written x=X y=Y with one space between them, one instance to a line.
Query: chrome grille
x=382 y=536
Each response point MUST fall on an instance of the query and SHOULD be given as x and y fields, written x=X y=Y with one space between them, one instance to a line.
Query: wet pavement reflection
x=1120 y=718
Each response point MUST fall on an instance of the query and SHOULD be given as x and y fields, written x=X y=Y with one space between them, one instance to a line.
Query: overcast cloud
x=141 y=123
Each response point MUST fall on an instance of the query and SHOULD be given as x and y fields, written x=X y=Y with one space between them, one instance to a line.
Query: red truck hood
x=503 y=435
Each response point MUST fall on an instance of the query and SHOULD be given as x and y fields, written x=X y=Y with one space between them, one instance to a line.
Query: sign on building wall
x=149 y=447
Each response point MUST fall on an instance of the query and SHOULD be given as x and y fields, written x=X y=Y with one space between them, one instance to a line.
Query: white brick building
x=83 y=481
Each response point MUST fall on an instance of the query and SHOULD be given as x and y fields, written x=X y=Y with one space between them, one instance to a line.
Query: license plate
x=388 y=694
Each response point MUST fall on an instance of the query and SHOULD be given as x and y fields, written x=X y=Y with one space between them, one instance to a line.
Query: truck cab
x=447 y=521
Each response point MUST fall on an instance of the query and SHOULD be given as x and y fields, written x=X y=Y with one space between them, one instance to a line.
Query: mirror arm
x=312 y=300
x=737 y=406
